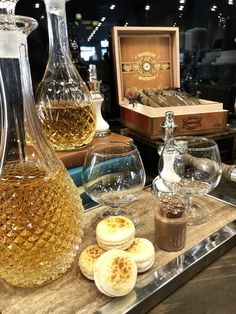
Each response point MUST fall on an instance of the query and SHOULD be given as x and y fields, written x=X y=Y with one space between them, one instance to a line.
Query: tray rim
x=151 y=293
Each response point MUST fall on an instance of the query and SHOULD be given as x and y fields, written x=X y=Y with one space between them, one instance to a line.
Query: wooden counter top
x=73 y=293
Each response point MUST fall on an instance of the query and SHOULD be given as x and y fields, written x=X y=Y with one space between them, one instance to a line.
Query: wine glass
x=113 y=175
x=191 y=165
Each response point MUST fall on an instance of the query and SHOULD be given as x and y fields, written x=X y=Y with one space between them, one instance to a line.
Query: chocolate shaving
x=171 y=206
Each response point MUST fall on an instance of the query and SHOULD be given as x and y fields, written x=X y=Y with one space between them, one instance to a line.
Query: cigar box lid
x=145 y=57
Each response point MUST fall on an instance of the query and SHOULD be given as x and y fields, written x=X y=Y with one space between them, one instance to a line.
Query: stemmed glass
x=191 y=165
x=113 y=175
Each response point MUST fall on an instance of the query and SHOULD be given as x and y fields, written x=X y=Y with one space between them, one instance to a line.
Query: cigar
x=175 y=97
x=139 y=96
x=158 y=98
x=228 y=171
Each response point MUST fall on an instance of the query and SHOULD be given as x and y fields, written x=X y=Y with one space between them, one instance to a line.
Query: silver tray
x=161 y=283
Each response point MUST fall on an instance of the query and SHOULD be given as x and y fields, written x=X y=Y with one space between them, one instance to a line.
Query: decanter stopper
x=8 y=7
x=102 y=127
x=168 y=127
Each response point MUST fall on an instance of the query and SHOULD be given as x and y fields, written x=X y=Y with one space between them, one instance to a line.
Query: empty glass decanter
x=63 y=101
x=41 y=214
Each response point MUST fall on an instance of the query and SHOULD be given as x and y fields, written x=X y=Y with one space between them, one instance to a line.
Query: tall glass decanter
x=41 y=214
x=63 y=101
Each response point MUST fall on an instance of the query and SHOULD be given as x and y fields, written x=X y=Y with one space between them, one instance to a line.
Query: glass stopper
x=92 y=73
x=168 y=127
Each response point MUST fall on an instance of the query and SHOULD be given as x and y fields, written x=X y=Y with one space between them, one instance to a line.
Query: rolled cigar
x=176 y=97
x=228 y=171
x=188 y=99
x=142 y=98
x=158 y=98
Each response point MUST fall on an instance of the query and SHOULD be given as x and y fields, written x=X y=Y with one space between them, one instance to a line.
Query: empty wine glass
x=191 y=165
x=113 y=175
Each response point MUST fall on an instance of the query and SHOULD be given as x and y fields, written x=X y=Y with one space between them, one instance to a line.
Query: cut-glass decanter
x=41 y=214
x=63 y=102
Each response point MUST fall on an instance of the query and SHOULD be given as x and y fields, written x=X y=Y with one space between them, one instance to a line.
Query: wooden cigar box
x=148 y=57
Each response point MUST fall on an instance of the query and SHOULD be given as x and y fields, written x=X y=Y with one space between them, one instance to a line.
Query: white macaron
x=88 y=258
x=115 y=232
x=143 y=252
x=115 y=273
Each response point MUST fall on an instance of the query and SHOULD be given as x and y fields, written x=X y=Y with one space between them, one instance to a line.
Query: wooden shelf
x=75 y=158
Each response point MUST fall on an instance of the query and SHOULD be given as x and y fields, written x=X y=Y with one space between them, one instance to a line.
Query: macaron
x=88 y=258
x=115 y=273
x=115 y=232
x=143 y=253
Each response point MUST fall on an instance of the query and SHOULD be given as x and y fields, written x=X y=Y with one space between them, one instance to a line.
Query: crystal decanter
x=63 y=101
x=41 y=213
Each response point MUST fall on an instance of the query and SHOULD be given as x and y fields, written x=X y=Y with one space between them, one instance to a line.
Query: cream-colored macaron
x=115 y=232
x=88 y=258
x=115 y=273
x=143 y=252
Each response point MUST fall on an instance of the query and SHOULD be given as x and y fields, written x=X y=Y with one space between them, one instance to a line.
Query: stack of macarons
x=117 y=257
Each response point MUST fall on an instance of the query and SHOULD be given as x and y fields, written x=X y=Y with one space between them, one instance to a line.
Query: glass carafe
x=41 y=214
x=63 y=101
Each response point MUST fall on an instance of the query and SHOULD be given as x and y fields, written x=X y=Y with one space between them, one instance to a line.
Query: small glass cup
x=170 y=220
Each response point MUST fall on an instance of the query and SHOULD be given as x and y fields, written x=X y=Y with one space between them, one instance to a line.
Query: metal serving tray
x=161 y=283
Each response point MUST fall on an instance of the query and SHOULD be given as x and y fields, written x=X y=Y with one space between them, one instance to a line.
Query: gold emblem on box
x=147 y=65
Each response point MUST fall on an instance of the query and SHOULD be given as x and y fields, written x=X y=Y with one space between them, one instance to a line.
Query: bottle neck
x=57 y=32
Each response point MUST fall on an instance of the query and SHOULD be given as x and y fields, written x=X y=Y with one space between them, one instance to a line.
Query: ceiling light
x=147 y=7
x=181 y=1
x=78 y=16
x=214 y=7
x=103 y=19
x=37 y=5
x=181 y=7
x=126 y=24
x=112 y=7
x=231 y=2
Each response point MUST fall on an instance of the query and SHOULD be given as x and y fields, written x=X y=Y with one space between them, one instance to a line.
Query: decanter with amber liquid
x=63 y=102
x=41 y=213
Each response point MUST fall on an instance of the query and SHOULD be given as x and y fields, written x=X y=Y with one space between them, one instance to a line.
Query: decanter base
x=102 y=133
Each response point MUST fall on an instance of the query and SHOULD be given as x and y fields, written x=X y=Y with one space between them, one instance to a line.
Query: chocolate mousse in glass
x=170 y=222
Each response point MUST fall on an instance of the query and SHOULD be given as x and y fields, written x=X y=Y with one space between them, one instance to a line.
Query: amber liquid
x=68 y=126
x=41 y=224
